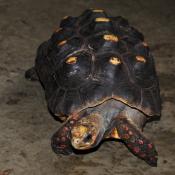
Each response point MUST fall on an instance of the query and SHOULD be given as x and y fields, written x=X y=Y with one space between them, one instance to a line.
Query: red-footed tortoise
x=99 y=78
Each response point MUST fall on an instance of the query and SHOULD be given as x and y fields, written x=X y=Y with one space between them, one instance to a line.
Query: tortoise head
x=87 y=132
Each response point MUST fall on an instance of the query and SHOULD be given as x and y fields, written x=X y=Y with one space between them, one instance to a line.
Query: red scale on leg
x=63 y=139
x=142 y=155
x=126 y=136
x=136 y=142
x=136 y=149
x=130 y=133
x=140 y=142
x=150 y=146
x=66 y=129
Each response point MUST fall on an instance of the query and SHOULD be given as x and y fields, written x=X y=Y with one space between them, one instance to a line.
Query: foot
x=61 y=141
x=136 y=142
x=31 y=74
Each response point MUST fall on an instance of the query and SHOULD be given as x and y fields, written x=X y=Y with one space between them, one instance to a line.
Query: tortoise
x=99 y=78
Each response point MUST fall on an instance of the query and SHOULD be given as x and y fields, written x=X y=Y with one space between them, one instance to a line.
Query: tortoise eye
x=141 y=59
x=115 y=60
x=71 y=60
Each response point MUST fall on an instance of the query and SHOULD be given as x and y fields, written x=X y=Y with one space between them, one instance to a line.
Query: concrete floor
x=25 y=124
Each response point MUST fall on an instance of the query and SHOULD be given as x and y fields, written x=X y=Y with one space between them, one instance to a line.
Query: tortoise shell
x=93 y=58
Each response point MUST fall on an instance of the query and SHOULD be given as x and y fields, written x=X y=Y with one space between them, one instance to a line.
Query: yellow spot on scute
x=71 y=60
x=115 y=60
x=110 y=37
x=102 y=19
x=140 y=59
x=98 y=10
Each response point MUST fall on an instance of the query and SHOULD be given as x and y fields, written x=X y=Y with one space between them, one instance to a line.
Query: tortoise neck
x=107 y=110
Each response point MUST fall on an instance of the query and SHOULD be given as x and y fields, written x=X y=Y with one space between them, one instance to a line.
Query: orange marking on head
x=110 y=37
x=62 y=42
x=79 y=131
x=115 y=61
x=71 y=60
x=102 y=19
x=141 y=59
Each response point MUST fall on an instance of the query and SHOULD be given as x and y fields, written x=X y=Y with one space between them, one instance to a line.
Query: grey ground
x=25 y=123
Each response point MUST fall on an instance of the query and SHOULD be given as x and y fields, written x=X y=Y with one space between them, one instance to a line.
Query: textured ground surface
x=25 y=124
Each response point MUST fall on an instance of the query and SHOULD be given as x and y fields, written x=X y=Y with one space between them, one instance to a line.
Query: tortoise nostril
x=87 y=138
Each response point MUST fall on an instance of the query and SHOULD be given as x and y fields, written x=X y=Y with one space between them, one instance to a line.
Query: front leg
x=61 y=140
x=138 y=144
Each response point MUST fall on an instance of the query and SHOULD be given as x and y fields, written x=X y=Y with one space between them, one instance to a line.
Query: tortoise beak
x=87 y=132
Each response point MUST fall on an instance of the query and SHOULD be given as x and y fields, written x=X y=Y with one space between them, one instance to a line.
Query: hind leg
x=31 y=74
x=138 y=144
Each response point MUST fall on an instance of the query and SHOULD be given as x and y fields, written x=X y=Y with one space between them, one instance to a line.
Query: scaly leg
x=61 y=140
x=31 y=74
x=138 y=144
